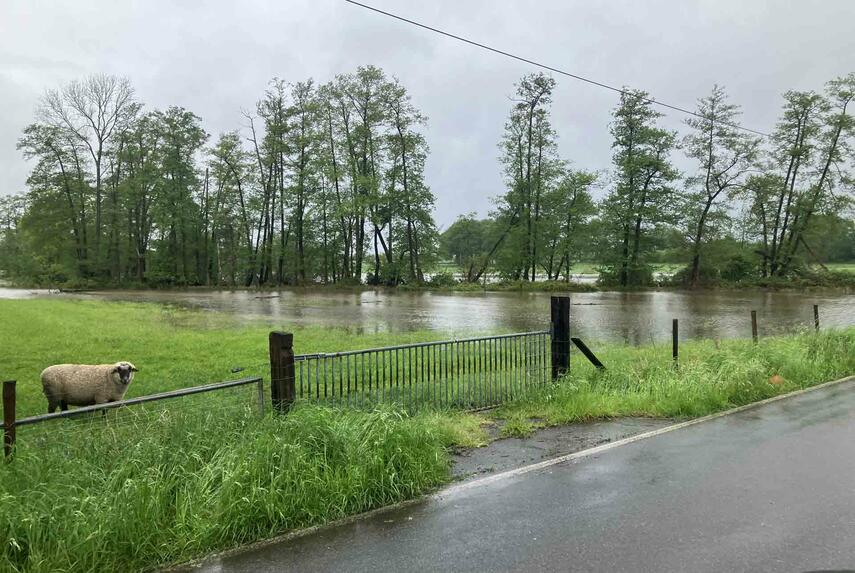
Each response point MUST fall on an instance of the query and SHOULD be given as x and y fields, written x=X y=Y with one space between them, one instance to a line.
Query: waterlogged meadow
x=150 y=486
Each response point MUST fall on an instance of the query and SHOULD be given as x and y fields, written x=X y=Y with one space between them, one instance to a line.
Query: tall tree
x=724 y=154
x=96 y=111
x=642 y=195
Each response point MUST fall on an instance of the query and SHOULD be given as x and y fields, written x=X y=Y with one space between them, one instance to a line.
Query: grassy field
x=839 y=267
x=148 y=487
x=172 y=347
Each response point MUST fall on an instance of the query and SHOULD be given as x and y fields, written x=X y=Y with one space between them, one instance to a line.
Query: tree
x=567 y=212
x=807 y=171
x=724 y=154
x=411 y=201
x=96 y=111
x=466 y=242
x=642 y=195
x=530 y=163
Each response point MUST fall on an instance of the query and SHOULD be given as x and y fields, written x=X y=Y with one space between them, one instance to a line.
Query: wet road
x=767 y=489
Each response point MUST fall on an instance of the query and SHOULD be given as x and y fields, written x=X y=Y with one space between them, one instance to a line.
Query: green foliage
x=712 y=376
x=642 y=197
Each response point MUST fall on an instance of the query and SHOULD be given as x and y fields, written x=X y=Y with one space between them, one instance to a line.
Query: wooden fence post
x=816 y=317
x=583 y=348
x=8 y=417
x=754 y=326
x=675 y=351
x=560 y=315
x=282 y=390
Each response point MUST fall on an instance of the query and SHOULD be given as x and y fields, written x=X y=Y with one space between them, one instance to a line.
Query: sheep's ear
x=134 y=368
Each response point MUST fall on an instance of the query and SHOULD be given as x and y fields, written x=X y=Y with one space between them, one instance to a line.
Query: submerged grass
x=712 y=376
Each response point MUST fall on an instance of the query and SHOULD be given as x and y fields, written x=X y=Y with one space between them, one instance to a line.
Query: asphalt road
x=767 y=489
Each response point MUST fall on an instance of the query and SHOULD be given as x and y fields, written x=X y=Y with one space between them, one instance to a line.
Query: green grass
x=711 y=377
x=172 y=347
x=839 y=267
x=148 y=486
x=113 y=495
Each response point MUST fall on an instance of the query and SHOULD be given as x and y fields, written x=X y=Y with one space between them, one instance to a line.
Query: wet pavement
x=766 y=489
x=546 y=443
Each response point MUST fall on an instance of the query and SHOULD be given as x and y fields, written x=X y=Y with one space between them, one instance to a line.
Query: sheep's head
x=123 y=373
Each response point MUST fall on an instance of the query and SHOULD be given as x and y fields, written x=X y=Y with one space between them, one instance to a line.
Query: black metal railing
x=465 y=373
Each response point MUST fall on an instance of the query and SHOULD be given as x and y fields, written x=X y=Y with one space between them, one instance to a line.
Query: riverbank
x=180 y=480
x=585 y=278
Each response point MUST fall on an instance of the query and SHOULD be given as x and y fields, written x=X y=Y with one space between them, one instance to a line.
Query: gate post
x=8 y=417
x=560 y=329
x=282 y=390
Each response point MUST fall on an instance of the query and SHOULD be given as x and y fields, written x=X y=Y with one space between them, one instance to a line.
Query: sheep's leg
x=51 y=406
x=63 y=405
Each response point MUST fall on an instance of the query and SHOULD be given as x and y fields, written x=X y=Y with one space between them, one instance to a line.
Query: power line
x=544 y=66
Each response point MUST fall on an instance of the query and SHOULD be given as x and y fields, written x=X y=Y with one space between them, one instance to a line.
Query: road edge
x=455 y=489
x=461 y=487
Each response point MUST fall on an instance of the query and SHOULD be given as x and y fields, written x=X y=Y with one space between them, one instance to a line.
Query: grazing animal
x=84 y=384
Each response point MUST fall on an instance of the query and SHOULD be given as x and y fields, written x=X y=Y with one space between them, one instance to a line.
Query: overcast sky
x=216 y=58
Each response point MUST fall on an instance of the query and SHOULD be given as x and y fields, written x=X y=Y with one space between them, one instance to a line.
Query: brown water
x=636 y=318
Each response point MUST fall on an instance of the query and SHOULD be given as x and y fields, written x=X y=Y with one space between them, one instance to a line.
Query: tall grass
x=711 y=377
x=122 y=497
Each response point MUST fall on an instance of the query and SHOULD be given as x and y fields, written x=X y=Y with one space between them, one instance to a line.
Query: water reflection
x=635 y=317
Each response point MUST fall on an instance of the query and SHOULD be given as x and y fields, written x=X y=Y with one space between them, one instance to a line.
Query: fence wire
x=200 y=412
x=466 y=374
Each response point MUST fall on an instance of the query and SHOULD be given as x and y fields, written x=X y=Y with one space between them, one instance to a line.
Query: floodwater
x=631 y=317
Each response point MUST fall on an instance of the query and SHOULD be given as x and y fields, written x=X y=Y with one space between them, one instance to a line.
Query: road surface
x=766 y=489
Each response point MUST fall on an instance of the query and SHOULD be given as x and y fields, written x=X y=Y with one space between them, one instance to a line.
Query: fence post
x=560 y=315
x=282 y=391
x=816 y=317
x=675 y=351
x=754 y=326
x=8 y=417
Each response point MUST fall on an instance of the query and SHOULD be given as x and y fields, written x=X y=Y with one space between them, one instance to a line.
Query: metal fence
x=11 y=423
x=467 y=373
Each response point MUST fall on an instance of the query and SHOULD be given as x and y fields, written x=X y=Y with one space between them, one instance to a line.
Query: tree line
x=325 y=183
x=749 y=207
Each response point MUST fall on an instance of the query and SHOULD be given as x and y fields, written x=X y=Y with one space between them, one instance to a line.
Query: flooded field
x=635 y=318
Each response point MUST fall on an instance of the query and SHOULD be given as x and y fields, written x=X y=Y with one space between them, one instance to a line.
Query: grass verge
x=712 y=377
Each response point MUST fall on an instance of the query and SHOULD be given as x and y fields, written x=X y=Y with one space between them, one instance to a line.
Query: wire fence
x=467 y=374
x=201 y=407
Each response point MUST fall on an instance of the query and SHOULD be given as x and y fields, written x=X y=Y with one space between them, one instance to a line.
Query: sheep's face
x=123 y=373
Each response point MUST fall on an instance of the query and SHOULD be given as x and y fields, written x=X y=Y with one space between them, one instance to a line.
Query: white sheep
x=85 y=384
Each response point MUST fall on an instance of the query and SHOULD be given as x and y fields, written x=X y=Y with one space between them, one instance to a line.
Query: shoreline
x=464 y=288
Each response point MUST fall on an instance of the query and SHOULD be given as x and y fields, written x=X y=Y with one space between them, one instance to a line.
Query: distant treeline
x=325 y=183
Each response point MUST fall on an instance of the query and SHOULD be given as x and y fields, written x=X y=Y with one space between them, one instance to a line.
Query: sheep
x=84 y=384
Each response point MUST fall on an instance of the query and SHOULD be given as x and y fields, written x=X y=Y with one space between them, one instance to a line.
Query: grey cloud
x=216 y=58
